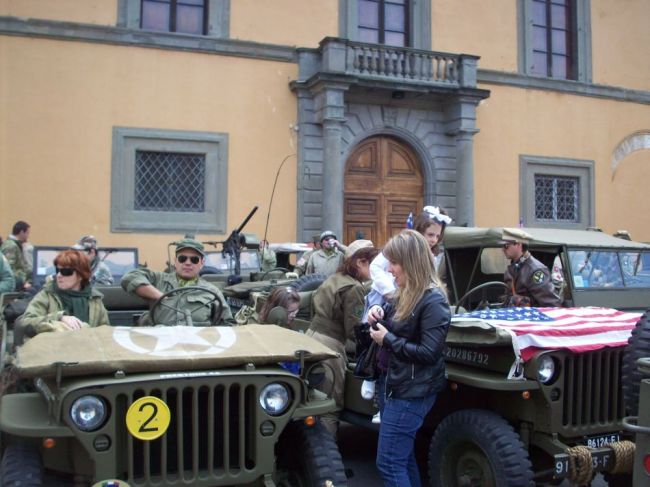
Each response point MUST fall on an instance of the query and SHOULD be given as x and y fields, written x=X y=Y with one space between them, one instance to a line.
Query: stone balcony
x=398 y=67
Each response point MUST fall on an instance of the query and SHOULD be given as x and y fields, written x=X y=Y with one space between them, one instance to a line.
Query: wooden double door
x=383 y=184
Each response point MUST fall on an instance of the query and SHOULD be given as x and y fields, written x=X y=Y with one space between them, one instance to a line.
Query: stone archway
x=383 y=184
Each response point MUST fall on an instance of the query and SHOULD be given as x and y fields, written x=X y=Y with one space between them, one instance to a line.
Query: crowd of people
x=397 y=290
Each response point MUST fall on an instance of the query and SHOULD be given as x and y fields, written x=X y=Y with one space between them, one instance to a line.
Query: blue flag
x=409 y=221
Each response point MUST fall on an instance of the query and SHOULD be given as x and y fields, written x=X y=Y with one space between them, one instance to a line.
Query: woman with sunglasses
x=67 y=302
x=338 y=307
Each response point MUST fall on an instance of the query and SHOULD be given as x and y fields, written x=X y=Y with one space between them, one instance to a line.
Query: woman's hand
x=375 y=313
x=378 y=334
x=72 y=323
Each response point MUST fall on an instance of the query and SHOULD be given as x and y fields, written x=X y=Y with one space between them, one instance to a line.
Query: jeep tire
x=638 y=346
x=309 y=456
x=477 y=447
x=21 y=466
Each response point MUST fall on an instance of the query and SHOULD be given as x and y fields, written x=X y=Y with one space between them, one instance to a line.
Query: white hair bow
x=434 y=214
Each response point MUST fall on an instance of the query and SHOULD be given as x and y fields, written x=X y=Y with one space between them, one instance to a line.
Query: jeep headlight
x=88 y=413
x=545 y=369
x=274 y=398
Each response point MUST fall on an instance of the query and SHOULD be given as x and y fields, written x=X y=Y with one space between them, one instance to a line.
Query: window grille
x=169 y=181
x=557 y=198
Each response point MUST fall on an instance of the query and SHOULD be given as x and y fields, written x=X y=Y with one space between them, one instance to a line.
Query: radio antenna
x=277 y=174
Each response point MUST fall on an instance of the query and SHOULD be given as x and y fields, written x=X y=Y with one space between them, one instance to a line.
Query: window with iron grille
x=556 y=192
x=186 y=16
x=169 y=181
x=556 y=198
x=555 y=38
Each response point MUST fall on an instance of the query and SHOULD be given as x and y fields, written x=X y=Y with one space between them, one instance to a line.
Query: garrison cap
x=516 y=235
x=190 y=243
x=357 y=245
x=85 y=243
x=327 y=233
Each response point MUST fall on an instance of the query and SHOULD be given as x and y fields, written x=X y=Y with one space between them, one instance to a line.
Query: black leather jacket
x=416 y=367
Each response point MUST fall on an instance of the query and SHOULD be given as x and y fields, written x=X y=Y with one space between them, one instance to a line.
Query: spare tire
x=309 y=282
x=638 y=346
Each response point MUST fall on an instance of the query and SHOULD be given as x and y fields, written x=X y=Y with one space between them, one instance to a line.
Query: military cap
x=516 y=235
x=357 y=245
x=327 y=233
x=86 y=243
x=190 y=243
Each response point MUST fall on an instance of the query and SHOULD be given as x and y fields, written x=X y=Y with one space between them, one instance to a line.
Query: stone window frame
x=529 y=166
x=581 y=45
x=218 y=22
x=127 y=140
x=419 y=16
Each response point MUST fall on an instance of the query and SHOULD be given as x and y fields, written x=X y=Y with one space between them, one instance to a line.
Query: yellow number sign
x=148 y=418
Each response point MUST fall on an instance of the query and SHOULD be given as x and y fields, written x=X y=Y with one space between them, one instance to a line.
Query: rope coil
x=624 y=456
x=581 y=470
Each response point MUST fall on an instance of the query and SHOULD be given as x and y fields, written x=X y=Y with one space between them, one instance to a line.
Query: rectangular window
x=555 y=192
x=555 y=38
x=185 y=16
x=169 y=181
x=552 y=38
x=384 y=22
x=556 y=198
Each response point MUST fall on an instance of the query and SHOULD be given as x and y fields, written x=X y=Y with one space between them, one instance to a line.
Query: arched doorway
x=383 y=183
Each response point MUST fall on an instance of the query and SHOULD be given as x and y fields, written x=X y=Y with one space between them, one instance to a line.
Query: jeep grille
x=593 y=390
x=211 y=435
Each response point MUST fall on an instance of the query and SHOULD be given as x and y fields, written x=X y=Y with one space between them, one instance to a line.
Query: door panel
x=383 y=184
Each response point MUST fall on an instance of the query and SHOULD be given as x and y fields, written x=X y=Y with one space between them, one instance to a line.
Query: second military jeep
x=513 y=419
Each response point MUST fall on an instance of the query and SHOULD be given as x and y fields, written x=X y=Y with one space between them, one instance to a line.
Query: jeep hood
x=106 y=349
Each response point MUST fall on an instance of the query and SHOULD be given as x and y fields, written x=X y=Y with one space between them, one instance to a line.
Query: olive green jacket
x=196 y=301
x=7 y=280
x=338 y=306
x=325 y=262
x=45 y=310
x=13 y=251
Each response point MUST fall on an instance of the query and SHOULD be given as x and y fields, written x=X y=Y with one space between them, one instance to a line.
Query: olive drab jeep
x=170 y=405
x=511 y=421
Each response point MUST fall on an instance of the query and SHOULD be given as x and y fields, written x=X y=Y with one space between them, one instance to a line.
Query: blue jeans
x=400 y=421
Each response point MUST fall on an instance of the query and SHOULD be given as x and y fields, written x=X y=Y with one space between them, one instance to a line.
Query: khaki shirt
x=338 y=306
x=196 y=301
x=324 y=262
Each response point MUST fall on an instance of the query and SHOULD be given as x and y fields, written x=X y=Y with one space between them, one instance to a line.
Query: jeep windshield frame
x=474 y=256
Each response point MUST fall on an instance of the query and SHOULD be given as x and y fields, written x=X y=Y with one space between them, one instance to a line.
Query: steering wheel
x=181 y=291
x=274 y=270
x=483 y=287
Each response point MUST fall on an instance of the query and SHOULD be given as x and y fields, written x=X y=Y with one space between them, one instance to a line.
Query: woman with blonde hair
x=412 y=336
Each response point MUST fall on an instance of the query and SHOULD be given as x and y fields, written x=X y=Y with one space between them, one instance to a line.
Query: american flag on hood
x=575 y=329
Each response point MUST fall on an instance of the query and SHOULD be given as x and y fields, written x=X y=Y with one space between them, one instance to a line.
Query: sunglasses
x=65 y=271
x=194 y=259
x=508 y=245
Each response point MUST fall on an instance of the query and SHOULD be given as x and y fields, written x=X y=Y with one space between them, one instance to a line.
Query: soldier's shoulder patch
x=539 y=277
x=358 y=311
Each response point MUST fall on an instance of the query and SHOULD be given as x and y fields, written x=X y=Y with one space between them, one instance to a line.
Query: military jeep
x=164 y=406
x=556 y=413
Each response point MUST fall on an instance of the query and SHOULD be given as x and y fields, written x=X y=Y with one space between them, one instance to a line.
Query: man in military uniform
x=12 y=248
x=7 y=281
x=101 y=274
x=301 y=266
x=268 y=259
x=330 y=256
x=528 y=280
x=152 y=285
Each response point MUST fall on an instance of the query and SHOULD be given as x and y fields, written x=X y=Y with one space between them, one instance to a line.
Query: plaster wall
x=563 y=126
x=621 y=43
x=302 y=23
x=63 y=99
x=101 y=12
x=486 y=29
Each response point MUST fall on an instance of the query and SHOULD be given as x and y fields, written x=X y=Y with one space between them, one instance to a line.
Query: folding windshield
x=610 y=269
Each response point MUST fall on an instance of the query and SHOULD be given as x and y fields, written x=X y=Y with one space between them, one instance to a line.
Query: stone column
x=465 y=178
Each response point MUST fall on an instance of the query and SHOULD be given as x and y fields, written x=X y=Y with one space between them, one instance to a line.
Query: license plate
x=236 y=302
x=601 y=441
x=600 y=460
